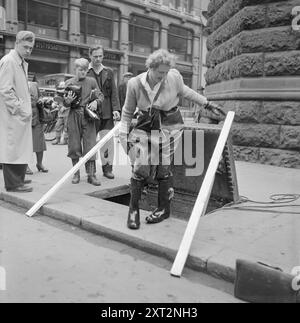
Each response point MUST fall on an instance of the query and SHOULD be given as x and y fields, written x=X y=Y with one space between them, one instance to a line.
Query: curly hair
x=159 y=57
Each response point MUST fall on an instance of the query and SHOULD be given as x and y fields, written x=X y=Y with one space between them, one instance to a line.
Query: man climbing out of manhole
x=153 y=141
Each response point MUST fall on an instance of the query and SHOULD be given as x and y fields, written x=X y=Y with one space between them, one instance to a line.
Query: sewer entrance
x=224 y=190
x=182 y=204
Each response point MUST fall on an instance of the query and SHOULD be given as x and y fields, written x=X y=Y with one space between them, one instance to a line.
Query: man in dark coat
x=110 y=108
x=123 y=88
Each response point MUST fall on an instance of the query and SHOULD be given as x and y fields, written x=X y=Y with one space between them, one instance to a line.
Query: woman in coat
x=38 y=137
x=155 y=137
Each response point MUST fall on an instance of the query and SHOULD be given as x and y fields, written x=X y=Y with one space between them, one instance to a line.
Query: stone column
x=74 y=54
x=164 y=37
x=254 y=69
x=12 y=16
x=124 y=45
x=74 y=32
x=197 y=50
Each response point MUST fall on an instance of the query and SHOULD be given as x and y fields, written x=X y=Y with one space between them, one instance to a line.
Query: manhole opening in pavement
x=181 y=207
x=121 y=195
x=118 y=195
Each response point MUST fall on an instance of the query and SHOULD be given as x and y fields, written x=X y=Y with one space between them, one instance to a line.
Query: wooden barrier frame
x=72 y=171
x=202 y=199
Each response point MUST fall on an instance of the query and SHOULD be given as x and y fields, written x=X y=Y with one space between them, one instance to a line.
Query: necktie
x=23 y=67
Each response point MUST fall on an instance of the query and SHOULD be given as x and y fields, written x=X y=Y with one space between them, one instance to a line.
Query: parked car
x=51 y=81
x=47 y=92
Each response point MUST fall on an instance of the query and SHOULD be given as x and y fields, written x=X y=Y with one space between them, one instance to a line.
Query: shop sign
x=52 y=47
x=108 y=56
x=111 y=56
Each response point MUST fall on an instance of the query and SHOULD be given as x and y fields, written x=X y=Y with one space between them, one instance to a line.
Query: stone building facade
x=254 y=68
x=129 y=30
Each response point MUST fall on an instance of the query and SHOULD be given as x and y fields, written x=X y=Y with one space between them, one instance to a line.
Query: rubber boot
x=164 y=203
x=90 y=167
x=136 y=188
x=76 y=177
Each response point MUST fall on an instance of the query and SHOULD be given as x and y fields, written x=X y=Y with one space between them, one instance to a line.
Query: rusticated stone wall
x=254 y=69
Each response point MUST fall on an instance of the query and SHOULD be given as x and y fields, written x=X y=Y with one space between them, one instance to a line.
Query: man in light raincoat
x=15 y=114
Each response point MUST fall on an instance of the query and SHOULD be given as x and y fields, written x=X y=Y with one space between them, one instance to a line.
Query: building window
x=144 y=35
x=180 y=42
x=173 y=3
x=188 y=5
x=99 y=23
x=45 y=15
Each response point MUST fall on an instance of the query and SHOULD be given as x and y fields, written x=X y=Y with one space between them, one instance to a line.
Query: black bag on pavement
x=260 y=283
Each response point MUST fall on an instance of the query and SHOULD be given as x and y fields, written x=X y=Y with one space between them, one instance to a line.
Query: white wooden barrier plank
x=202 y=199
x=72 y=171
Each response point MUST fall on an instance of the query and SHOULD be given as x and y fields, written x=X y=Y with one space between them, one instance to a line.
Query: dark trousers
x=152 y=154
x=61 y=126
x=107 y=153
x=14 y=175
x=82 y=135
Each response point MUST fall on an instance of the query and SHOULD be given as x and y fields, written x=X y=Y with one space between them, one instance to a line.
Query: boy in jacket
x=81 y=128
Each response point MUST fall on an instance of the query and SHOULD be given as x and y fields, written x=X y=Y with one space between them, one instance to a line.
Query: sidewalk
x=222 y=237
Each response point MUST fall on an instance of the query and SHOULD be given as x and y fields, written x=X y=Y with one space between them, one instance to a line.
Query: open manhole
x=224 y=191
x=119 y=195
x=182 y=204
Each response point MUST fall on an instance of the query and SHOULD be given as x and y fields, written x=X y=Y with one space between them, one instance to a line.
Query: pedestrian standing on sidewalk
x=38 y=137
x=122 y=89
x=159 y=126
x=63 y=115
x=15 y=114
x=110 y=107
x=81 y=128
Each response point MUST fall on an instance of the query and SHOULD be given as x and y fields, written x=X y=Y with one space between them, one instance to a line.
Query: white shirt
x=101 y=68
x=173 y=88
x=151 y=93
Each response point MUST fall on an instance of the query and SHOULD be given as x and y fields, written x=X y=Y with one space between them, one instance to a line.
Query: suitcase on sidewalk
x=260 y=283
